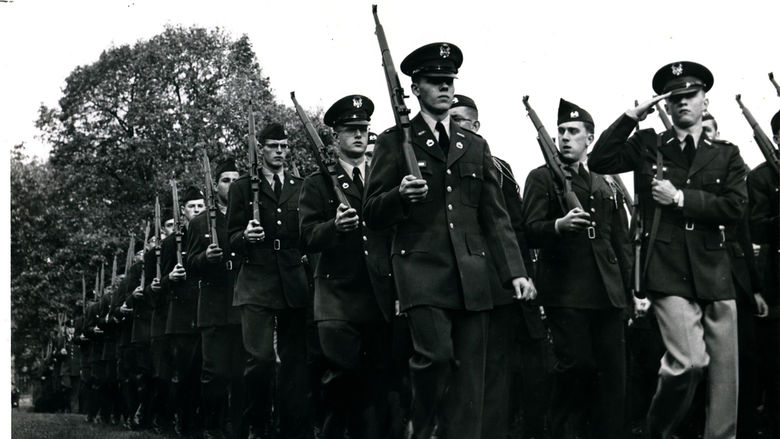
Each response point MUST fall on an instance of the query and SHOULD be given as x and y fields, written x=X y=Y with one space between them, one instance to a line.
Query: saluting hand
x=640 y=112
x=178 y=274
x=663 y=192
x=576 y=220
x=524 y=288
x=346 y=218
x=213 y=254
x=413 y=189
x=254 y=232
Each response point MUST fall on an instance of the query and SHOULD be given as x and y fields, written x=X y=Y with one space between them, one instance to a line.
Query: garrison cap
x=350 y=110
x=227 y=165
x=371 y=138
x=192 y=193
x=463 y=101
x=682 y=77
x=707 y=116
x=272 y=131
x=569 y=112
x=775 y=123
x=435 y=59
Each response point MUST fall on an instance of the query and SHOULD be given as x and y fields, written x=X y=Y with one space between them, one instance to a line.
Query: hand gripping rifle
x=211 y=202
x=157 y=237
x=254 y=167
x=316 y=147
x=400 y=110
x=177 y=225
x=764 y=144
x=561 y=176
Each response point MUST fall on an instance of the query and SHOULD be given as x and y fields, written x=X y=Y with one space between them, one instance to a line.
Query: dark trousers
x=160 y=408
x=644 y=351
x=495 y=420
x=355 y=383
x=747 y=404
x=257 y=328
x=222 y=376
x=141 y=379
x=589 y=373
x=400 y=386
x=447 y=371
x=768 y=336
x=185 y=389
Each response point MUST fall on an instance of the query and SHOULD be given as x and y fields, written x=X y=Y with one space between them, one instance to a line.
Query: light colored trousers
x=699 y=338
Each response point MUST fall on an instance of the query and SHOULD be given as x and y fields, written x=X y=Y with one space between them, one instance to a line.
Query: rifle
x=157 y=236
x=561 y=177
x=177 y=225
x=295 y=171
x=316 y=147
x=97 y=285
x=113 y=273
x=83 y=297
x=769 y=151
x=211 y=202
x=635 y=228
x=130 y=253
x=146 y=238
x=772 y=80
x=102 y=279
x=397 y=96
x=254 y=171
x=664 y=117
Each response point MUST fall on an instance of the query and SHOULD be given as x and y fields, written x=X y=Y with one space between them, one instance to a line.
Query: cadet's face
x=369 y=153
x=223 y=185
x=192 y=208
x=709 y=130
x=139 y=256
x=465 y=117
x=686 y=109
x=168 y=227
x=573 y=141
x=434 y=93
x=351 y=141
x=274 y=153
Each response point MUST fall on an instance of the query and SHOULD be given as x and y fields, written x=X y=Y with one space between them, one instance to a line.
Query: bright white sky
x=600 y=55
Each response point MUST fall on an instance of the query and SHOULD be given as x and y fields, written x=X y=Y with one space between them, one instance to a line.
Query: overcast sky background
x=599 y=55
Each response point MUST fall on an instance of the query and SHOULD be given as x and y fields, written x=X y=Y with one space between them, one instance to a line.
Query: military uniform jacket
x=271 y=273
x=142 y=309
x=123 y=323
x=765 y=228
x=689 y=257
x=344 y=286
x=589 y=269
x=182 y=297
x=157 y=302
x=456 y=246
x=215 y=286
x=743 y=262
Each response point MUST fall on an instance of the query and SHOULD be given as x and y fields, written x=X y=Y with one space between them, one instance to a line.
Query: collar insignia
x=429 y=142
x=459 y=145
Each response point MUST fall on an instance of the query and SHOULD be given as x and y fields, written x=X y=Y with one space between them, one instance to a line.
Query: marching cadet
x=181 y=292
x=271 y=289
x=140 y=336
x=689 y=187
x=220 y=327
x=370 y=148
x=122 y=324
x=512 y=325
x=160 y=409
x=764 y=226
x=583 y=277
x=452 y=246
x=351 y=311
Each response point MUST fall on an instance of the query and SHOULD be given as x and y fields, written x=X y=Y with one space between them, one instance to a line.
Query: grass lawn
x=29 y=425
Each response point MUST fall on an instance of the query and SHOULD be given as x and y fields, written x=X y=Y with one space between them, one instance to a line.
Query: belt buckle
x=277 y=244
x=689 y=225
x=229 y=265
x=591 y=232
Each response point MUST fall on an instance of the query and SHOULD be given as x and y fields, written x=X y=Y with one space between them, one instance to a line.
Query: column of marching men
x=384 y=302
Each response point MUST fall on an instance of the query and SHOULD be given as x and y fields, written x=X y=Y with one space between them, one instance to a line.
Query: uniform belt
x=689 y=224
x=276 y=245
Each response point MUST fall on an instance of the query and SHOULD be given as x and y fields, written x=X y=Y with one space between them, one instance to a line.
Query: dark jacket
x=689 y=257
x=765 y=228
x=182 y=296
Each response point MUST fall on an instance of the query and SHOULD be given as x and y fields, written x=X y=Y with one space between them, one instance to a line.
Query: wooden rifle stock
x=397 y=96
x=211 y=202
x=769 y=151
x=146 y=238
x=177 y=226
x=83 y=296
x=561 y=177
x=157 y=237
x=316 y=147
x=254 y=167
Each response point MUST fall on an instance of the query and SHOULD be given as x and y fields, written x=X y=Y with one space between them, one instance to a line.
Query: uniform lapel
x=347 y=185
x=423 y=138
x=288 y=189
x=265 y=188
x=458 y=143
x=705 y=152
x=670 y=148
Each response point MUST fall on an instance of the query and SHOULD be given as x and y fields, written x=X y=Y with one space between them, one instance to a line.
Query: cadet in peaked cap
x=350 y=110
x=682 y=77
x=435 y=59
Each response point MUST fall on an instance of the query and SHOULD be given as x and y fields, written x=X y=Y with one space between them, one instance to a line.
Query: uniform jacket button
x=449 y=188
x=449 y=172
x=403 y=252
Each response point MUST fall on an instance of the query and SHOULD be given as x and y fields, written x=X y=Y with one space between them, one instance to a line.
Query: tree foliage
x=125 y=125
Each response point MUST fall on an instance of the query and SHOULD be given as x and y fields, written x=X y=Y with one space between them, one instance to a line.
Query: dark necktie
x=689 y=150
x=277 y=186
x=444 y=141
x=357 y=180
x=584 y=174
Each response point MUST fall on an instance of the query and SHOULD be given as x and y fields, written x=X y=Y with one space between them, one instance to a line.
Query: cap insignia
x=455 y=100
x=444 y=50
x=357 y=102
x=677 y=69
x=574 y=114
